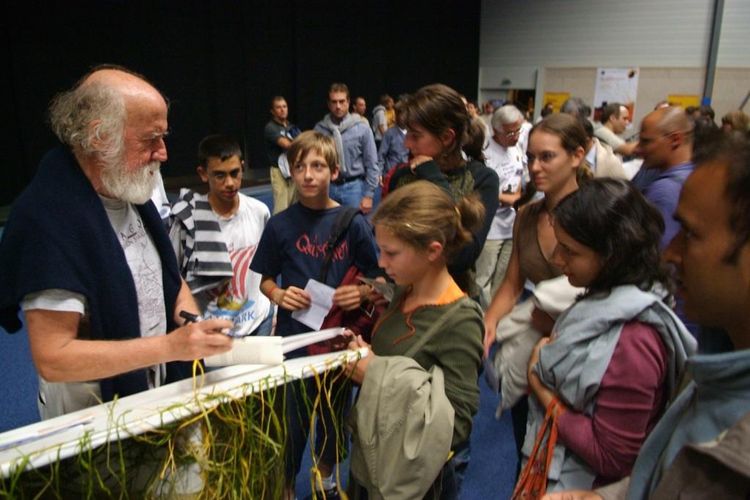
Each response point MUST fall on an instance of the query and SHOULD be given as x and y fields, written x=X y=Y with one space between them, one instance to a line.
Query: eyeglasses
x=512 y=133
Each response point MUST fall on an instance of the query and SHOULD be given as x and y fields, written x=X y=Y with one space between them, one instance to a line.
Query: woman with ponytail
x=446 y=149
x=426 y=348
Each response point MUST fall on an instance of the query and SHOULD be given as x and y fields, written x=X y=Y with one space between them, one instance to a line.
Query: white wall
x=561 y=37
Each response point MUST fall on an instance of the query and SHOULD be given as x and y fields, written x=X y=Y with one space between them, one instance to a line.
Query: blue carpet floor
x=492 y=470
x=18 y=392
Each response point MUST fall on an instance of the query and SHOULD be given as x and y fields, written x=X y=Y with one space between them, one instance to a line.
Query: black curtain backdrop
x=220 y=62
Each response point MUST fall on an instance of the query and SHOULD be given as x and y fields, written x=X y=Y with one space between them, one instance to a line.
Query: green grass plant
x=237 y=447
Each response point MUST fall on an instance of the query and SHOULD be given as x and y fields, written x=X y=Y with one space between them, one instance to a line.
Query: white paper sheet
x=321 y=298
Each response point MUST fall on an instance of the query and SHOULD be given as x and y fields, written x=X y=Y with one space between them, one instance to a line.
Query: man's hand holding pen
x=199 y=338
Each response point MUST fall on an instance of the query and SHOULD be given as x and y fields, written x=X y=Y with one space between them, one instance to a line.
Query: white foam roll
x=264 y=350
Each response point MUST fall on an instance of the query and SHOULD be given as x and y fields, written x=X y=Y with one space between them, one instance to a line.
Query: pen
x=190 y=317
x=195 y=318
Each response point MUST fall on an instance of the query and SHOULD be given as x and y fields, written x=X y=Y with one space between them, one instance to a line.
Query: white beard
x=132 y=187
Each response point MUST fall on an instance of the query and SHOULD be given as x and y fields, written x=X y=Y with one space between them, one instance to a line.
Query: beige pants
x=283 y=190
x=491 y=265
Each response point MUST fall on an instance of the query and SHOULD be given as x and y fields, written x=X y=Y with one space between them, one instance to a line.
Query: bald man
x=666 y=145
x=85 y=256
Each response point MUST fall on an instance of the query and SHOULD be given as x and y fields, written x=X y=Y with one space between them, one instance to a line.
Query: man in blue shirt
x=666 y=144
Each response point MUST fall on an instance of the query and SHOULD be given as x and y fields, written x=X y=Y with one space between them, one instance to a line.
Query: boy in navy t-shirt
x=293 y=245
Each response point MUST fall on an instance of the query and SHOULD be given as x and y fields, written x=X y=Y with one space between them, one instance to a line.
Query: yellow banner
x=684 y=100
x=556 y=99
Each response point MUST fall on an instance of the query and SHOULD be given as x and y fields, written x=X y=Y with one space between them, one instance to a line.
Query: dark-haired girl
x=438 y=133
x=615 y=357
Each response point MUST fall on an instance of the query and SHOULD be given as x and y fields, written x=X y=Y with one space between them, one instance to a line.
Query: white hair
x=71 y=114
x=91 y=117
x=505 y=115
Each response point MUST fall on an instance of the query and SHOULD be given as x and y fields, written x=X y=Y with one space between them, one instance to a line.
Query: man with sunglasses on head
x=215 y=237
x=359 y=173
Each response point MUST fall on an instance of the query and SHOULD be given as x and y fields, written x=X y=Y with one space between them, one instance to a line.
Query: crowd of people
x=611 y=311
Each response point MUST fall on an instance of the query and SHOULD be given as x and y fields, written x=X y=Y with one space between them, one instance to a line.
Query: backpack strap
x=340 y=227
x=422 y=340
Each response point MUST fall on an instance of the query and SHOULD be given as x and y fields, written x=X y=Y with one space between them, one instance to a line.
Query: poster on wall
x=615 y=85
x=556 y=99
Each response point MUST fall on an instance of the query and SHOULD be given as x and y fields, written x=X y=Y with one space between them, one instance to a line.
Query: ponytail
x=421 y=212
x=474 y=139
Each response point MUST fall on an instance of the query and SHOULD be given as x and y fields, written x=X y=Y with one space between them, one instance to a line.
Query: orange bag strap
x=532 y=483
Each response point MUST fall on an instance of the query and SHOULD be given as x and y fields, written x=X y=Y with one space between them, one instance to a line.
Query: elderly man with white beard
x=85 y=257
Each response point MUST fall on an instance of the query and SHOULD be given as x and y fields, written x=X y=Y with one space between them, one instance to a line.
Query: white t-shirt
x=145 y=267
x=608 y=137
x=487 y=132
x=509 y=165
x=240 y=300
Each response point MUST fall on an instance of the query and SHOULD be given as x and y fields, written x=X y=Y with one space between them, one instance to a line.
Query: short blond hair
x=311 y=140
